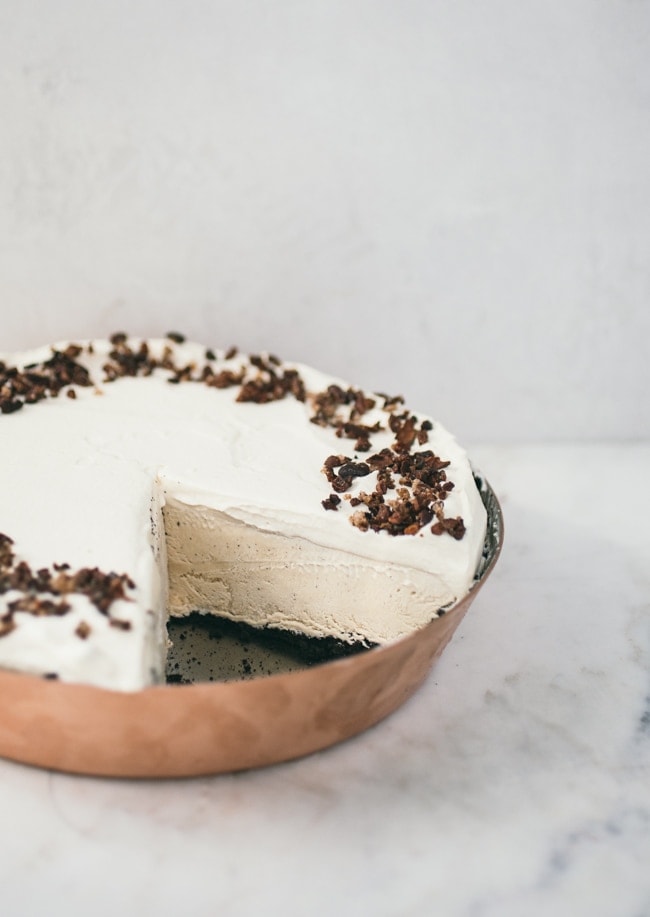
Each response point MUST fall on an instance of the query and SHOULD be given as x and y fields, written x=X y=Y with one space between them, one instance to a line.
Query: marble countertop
x=515 y=782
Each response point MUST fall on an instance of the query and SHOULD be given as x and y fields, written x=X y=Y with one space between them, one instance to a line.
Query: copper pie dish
x=178 y=730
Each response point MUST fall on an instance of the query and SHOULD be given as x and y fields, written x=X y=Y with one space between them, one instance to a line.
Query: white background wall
x=448 y=199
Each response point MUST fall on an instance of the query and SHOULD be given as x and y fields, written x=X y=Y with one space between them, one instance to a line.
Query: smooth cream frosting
x=94 y=480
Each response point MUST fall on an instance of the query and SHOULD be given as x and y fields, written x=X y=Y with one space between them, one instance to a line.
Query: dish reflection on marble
x=226 y=722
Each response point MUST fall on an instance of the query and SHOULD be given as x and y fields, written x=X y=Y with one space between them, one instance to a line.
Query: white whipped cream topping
x=84 y=481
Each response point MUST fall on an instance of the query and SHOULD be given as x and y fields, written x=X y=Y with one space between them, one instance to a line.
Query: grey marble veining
x=515 y=782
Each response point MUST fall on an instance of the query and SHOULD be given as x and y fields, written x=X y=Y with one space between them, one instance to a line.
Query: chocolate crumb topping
x=327 y=406
x=354 y=470
x=125 y=361
x=42 y=380
x=406 y=430
x=332 y=502
x=260 y=379
x=38 y=607
x=423 y=485
x=269 y=384
x=343 y=409
x=42 y=590
x=263 y=380
x=226 y=378
x=402 y=508
x=391 y=401
x=6 y=625
x=455 y=527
